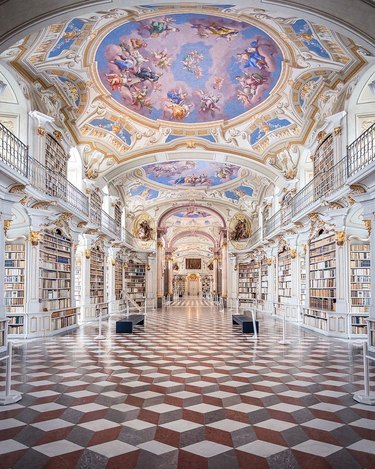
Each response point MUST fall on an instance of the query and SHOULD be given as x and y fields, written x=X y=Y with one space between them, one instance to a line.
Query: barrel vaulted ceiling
x=214 y=101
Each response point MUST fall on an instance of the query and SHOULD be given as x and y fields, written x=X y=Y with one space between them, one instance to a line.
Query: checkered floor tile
x=187 y=390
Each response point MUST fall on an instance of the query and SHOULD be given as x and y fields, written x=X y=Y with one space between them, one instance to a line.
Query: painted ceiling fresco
x=189 y=67
x=191 y=173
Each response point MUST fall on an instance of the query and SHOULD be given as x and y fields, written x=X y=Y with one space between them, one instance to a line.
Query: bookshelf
x=119 y=281
x=206 y=285
x=135 y=282
x=324 y=158
x=56 y=163
x=284 y=276
x=3 y=335
x=321 y=315
x=55 y=278
x=14 y=286
x=264 y=280
x=96 y=276
x=371 y=336
x=78 y=279
x=179 y=285
x=248 y=281
x=302 y=276
x=360 y=286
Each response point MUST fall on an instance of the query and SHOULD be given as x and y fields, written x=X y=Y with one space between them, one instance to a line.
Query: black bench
x=126 y=325
x=246 y=322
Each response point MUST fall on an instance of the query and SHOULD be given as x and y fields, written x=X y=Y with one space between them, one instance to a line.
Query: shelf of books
x=360 y=287
x=119 y=281
x=55 y=283
x=97 y=284
x=264 y=280
x=371 y=335
x=322 y=288
x=3 y=335
x=284 y=276
x=248 y=282
x=302 y=276
x=14 y=287
x=206 y=285
x=78 y=279
x=135 y=282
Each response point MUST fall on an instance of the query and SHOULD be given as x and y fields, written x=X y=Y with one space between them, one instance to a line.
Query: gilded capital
x=337 y=131
x=87 y=253
x=41 y=131
x=6 y=226
x=368 y=226
x=340 y=238
x=293 y=253
x=34 y=237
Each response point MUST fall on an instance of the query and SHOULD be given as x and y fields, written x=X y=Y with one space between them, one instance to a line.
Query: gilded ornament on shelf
x=34 y=237
x=41 y=131
x=57 y=134
x=269 y=261
x=340 y=238
x=368 y=226
x=6 y=226
x=293 y=253
x=148 y=267
x=87 y=253
x=113 y=262
x=337 y=131
x=321 y=136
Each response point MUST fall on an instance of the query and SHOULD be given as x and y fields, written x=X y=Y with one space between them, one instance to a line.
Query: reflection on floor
x=188 y=390
x=192 y=302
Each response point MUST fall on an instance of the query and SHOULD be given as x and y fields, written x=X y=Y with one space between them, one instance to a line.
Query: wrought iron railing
x=56 y=185
x=13 y=152
x=109 y=224
x=361 y=152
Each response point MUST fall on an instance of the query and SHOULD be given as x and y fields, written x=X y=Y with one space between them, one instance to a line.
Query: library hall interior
x=187 y=234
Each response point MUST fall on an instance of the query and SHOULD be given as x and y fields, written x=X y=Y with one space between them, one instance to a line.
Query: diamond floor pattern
x=188 y=390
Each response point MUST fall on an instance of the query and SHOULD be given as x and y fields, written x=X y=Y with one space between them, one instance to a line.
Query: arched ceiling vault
x=184 y=103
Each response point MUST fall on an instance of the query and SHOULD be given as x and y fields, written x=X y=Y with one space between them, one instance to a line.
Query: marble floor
x=188 y=390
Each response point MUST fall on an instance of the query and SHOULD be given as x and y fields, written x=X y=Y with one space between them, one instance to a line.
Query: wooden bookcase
x=3 y=335
x=119 y=277
x=135 y=282
x=97 y=276
x=179 y=285
x=55 y=279
x=206 y=284
x=323 y=273
x=78 y=279
x=302 y=276
x=360 y=286
x=248 y=281
x=14 y=286
x=371 y=336
x=321 y=314
x=284 y=276
x=264 y=280
x=323 y=158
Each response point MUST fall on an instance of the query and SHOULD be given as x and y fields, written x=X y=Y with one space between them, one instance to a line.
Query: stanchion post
x=283 y=341
x=8 y=396
x=365 y=397
x=100 y=336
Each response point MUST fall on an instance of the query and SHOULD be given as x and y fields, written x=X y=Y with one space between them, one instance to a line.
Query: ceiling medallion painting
x=191 y=173
x=239 y=230
x=144 y=230
x=190 y=68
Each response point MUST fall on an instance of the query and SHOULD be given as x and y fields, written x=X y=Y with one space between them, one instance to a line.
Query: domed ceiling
x=189 y=67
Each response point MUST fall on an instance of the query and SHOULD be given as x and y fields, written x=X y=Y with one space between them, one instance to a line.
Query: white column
x=224 y=266
x=160 y=273
x=151 y=280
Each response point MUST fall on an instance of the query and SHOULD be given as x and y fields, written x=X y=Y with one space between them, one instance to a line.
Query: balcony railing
x=361 y=152
x=109 y=224
x=56 y=185
x=13 y=152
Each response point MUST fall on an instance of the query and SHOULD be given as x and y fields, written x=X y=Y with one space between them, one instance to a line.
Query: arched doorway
x=194 y=287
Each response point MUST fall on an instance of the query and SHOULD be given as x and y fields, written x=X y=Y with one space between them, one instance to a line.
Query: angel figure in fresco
x=176 y=107
x=145 y=231
x=215 y=29
x=140 y=98
x=158 y=27
x=224 y=172
x=249 y=85
x=161 y=59
x=241 y=231
x=252 y=58
x=209 y=102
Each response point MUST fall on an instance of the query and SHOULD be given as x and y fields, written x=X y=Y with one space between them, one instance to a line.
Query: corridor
x=188 y=390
